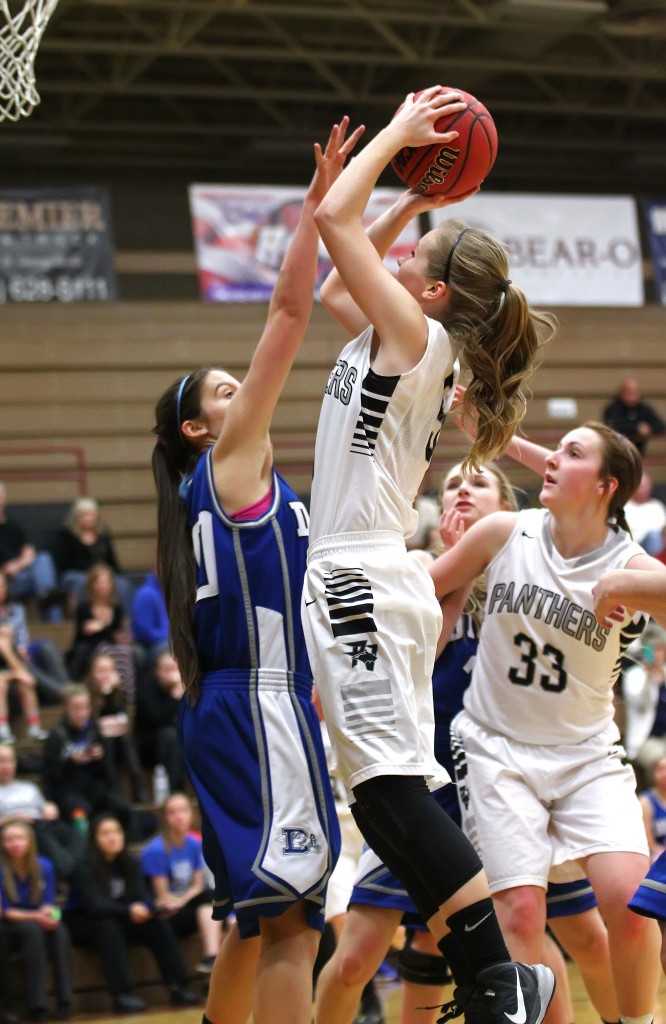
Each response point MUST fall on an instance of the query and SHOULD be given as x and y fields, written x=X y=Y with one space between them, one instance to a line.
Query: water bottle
x=80 y=821
x=160 y=784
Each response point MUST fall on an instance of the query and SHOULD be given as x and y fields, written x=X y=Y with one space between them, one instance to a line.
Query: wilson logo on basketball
x=438 y=170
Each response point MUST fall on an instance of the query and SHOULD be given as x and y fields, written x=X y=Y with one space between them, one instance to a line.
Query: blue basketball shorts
x=256 y=760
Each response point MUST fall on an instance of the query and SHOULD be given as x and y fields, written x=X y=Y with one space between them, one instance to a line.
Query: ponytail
x=621 y=460
x=499 y=335
x=173 y=458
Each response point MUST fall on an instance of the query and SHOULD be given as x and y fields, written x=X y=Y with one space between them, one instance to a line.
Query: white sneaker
x=6 y=735
x=35 y=732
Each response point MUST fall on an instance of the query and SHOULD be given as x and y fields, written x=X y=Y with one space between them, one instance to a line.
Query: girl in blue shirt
x=173 y=863
x=32 y=919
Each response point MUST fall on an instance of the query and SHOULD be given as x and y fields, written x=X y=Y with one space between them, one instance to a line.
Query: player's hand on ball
x=416 y=118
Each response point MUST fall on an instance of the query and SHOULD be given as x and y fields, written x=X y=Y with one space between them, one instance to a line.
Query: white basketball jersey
x=545 y=668
x=376 y=436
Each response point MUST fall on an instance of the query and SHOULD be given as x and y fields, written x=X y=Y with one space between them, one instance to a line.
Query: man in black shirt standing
x=631 y=416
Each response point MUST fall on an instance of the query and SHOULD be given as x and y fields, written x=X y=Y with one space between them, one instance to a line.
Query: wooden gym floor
x=390 y=995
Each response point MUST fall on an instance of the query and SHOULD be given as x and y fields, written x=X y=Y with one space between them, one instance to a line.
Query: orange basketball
x=461 y=165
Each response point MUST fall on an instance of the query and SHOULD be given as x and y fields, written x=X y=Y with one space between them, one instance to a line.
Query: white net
x=21 y=28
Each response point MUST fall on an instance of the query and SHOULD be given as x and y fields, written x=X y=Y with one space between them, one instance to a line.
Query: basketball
x=458 y=167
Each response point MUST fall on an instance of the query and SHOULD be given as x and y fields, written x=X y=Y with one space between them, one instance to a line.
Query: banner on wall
x=655 y=219
x=56 y=245
x=564 y=250
x=241 y=233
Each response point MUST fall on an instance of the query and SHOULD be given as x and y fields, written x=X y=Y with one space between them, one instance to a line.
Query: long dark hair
x=173 y=458
x=98 y=862
x=500 y=336
x=32 y=865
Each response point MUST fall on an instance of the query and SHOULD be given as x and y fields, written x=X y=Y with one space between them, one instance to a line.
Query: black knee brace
x=407 y=818
x=422 y=968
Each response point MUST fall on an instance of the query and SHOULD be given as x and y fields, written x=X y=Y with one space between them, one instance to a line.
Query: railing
x=36 y=471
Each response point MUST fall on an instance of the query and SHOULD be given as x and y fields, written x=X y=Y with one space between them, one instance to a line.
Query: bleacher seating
x=89 y=375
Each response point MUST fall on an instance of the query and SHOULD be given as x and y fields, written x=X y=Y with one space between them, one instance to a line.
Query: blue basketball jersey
x=252 y=741
x=658 y=817
x=649 y=900
x=450 y=678
x=249 y=580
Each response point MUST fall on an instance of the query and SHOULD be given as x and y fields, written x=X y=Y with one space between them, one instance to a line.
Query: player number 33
x=523 y=674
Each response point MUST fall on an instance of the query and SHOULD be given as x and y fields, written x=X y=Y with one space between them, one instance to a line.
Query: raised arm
x=383 y=232
x=249 y=416
x=527 y=453
x=461 y=564
x=396 y=315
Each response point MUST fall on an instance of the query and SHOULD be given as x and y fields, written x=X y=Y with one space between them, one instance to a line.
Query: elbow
x=327 y=217
x=322 y=214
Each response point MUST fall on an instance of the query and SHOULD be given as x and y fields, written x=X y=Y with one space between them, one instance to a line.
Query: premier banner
x=241 y=233
x=655 y=219
x=564 y=250
x=56 y=245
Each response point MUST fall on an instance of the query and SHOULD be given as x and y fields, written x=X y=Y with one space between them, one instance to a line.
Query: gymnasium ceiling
x=237 y=90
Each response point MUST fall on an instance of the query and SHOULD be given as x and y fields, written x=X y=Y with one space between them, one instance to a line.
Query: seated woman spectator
x=101 y=625
x=23 y=800
x=13 y=670
x=158 y=696
x=82 y=542
x=174 y=866
x=41 y=657
x=150 y=622
x=78 y=771
x=32 y=919
x=111 y=908
x=112 y=713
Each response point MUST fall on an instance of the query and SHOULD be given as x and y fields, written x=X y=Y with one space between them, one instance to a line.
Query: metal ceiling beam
x=345 y=58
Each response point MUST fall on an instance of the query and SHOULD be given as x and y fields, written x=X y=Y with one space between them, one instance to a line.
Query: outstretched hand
x=331 y=160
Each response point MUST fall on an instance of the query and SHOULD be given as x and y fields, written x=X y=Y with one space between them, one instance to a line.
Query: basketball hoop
x=20 y=35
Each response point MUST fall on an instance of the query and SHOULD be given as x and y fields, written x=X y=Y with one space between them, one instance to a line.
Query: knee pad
x=423 y=968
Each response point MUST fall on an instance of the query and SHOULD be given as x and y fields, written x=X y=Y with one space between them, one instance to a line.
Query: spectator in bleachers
x=111 y=908
x=22 y=799
x=113 y=712
x=82 y=542
x=33 y=920
x=646 y=516
x=149 y=619
x=78 y=771
x=41 y=657
x=174 y=866
x=158 y=696
x=31 y=573
x=13 y=670
x=101 y=625
x=630 y=415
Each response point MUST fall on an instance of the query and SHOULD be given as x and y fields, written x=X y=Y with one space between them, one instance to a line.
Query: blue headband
x=178 y=401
